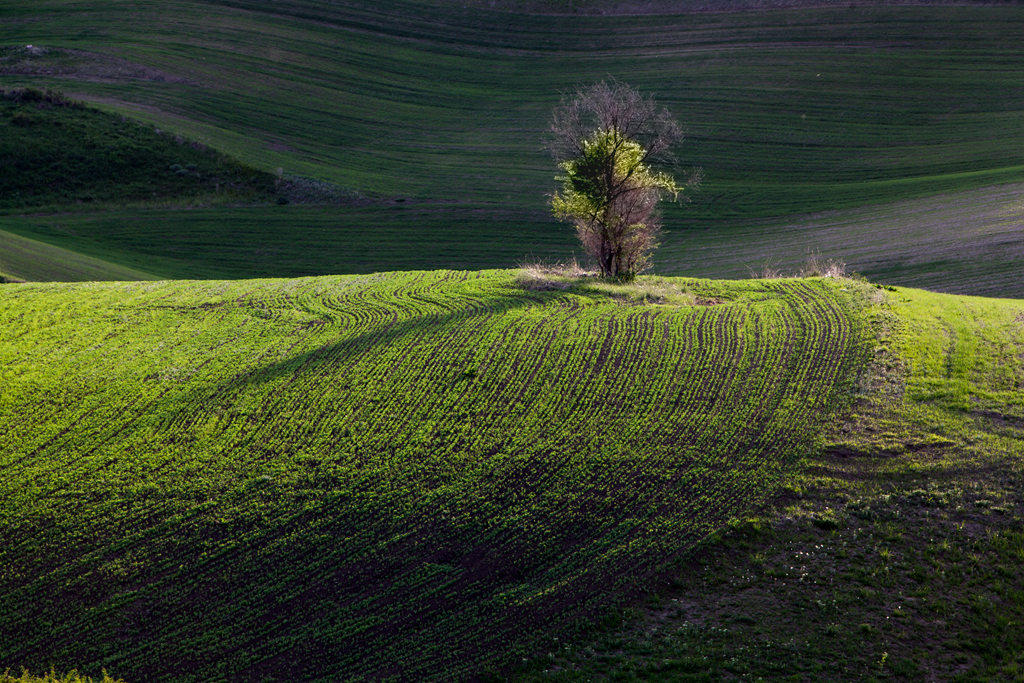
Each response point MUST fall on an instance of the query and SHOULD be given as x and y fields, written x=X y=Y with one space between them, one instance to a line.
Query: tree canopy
x=607 y=139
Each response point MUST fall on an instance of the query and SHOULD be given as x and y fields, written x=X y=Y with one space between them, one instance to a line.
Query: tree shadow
x=348 y=349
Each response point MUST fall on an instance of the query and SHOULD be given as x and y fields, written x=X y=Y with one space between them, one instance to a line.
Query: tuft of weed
x=551 y=275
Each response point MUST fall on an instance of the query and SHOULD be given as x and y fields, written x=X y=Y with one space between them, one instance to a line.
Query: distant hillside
x=55 y=152
x=23 y=259
x=625 y=8
x=441 y=107
x=417 y=476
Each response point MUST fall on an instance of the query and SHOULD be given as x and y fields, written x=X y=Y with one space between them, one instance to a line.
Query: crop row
x=408 y=475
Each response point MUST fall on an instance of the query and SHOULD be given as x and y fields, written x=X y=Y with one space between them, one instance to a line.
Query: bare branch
x=613 y=106
x=607 y=136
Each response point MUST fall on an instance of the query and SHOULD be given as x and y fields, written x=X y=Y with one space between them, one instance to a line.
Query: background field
x=967 y=241
x=790 y=111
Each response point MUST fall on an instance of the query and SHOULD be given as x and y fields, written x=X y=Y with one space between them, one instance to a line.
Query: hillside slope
x=410 y=476
x=894 y=554
x=27 y=259
x=796 y=109
x=967 y=242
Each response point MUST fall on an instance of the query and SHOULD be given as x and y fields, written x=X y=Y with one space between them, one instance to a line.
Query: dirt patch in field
x=999 y=419
x=38 y=60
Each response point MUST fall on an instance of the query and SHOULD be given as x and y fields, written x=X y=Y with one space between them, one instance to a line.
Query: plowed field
x=413 y=476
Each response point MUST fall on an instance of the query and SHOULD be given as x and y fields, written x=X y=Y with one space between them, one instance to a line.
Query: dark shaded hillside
x=54 y=151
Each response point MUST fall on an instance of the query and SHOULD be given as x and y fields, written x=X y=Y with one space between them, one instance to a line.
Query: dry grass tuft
x=769 y=271
x=539 y=276
x=815 y=265
x=818 y=266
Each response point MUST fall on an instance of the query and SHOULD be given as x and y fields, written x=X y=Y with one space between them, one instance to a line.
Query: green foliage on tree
x=607 y=140
x=612 y=194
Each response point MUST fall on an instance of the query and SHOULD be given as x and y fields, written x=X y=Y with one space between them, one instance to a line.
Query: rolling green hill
x=26 y=259
x=441 y=475
x=460 y=474
x=791 y=111
x=418 y=476
x=285 y=241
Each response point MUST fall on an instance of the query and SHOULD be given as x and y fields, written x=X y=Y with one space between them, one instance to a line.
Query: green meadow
x=894 y=554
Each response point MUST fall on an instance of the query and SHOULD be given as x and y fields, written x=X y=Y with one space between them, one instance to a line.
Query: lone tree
x=608 y=139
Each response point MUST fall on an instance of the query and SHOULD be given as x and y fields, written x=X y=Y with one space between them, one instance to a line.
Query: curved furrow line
x=422 y=362
x=715 y=358
x=358 y=472
x=621 y=394
x=494 y=369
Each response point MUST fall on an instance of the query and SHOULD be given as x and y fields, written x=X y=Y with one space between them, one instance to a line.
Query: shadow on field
x=380 y=567
x=349 y=346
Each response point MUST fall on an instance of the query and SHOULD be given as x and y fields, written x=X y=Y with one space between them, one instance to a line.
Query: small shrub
x=769 y=271
x=815 y=265
x=28 y=95
x=40 y=98
x=826 y=521
x=300 y=190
